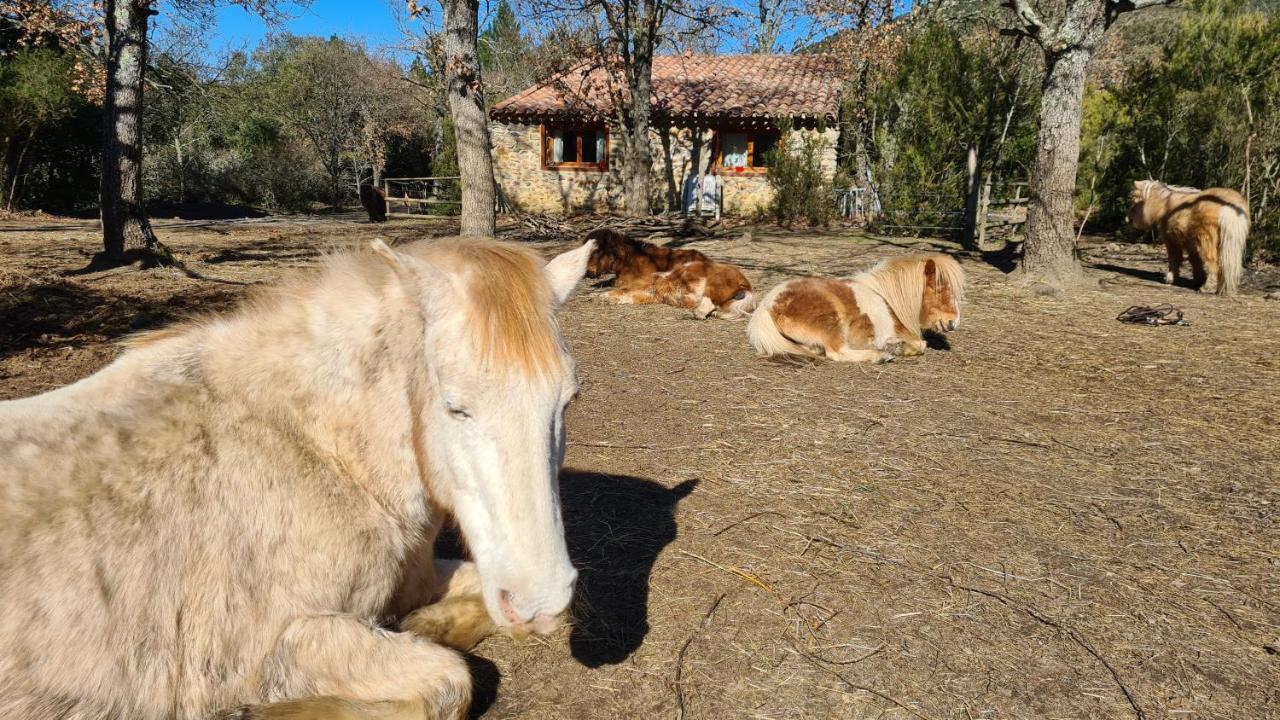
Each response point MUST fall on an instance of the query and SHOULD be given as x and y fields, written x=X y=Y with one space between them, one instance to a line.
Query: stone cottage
x=714 y=119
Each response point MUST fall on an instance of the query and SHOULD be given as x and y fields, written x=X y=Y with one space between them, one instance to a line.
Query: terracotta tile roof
x=688 y=86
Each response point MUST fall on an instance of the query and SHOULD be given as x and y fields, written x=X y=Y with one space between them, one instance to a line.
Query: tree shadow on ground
x=1005 y=259
x=1154 y=276
x=67 y=313
x=271 y=249
x=615 y=526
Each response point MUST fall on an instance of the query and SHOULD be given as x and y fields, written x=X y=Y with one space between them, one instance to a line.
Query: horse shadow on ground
x=616 y=526
x=936 y=340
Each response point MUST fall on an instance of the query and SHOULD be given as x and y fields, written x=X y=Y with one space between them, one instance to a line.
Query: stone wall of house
x=517 y=165
x=677 y=154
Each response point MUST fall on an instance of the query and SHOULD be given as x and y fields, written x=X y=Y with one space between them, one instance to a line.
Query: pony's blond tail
x=1233 y=230
x=763 y=332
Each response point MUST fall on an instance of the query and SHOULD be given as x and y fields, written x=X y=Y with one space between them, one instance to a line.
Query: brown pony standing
x=871 y=317
x=629 y=259
x=1209 y=227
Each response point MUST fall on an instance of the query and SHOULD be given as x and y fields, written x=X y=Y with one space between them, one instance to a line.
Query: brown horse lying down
x=629 y=259
x=871 y=317
x=704 y=286
x=1210 y=227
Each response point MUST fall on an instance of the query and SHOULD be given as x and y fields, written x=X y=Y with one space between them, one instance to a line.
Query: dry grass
x=1060 y=517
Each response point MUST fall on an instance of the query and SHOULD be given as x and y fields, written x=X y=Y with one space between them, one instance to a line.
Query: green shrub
x=801 y=193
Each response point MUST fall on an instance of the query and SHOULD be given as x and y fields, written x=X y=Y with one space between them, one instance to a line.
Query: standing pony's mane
x=1166 y=190
x=900 y=282
x=507 y=297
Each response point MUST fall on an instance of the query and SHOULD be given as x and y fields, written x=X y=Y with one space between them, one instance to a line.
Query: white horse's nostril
x=508 y=608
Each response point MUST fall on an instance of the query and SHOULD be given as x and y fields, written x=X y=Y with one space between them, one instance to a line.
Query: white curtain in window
x=735 y=150
x=600 y=147
x=557 y=146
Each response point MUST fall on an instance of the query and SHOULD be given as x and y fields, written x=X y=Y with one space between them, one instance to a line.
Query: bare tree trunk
x=973 y=189
x=639 y=155
x=182 y=168
x=125 y=228
x=17 y=170
x=6 y=149
x=1049 y=255
x=466 y=104
x=770 y=16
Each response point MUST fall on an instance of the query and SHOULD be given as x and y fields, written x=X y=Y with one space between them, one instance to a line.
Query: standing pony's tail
x=763 y=332
x=1233 y=230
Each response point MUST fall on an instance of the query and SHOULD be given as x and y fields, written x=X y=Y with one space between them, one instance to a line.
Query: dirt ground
x=1061 y=516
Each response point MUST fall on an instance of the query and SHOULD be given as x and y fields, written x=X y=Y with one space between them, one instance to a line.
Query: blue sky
x=372 y=20
x=369 y=19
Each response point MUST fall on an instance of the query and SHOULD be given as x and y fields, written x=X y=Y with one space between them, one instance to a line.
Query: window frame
x=751 y=133
x=546 y=134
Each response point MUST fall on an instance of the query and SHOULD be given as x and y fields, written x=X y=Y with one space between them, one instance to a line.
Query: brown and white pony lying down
x=629 y=259
x=1209 y=227
x=872 y=317
x=703 y=286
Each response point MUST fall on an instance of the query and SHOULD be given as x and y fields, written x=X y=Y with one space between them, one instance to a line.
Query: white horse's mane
x=508 y=303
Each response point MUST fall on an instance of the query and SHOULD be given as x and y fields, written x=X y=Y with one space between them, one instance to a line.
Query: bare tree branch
x=1123 y=6
x=1032 y=26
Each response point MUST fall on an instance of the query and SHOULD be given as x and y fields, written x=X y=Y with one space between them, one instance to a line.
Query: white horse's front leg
x=337 y=667
x=458 y=618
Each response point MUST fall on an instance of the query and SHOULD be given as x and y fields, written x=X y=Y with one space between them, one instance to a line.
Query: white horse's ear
x=409 y=269
x=394 y=259
x=566 y=269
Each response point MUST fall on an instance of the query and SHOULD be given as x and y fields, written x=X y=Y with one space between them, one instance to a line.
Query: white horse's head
x=491 y=412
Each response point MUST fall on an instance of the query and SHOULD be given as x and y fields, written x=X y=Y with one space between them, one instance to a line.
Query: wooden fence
x=422 y=196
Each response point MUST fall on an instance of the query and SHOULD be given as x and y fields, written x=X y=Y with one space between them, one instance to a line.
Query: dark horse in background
x=374 y=202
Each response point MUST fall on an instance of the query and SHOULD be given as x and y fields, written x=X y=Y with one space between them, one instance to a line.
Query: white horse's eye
x=457 y=412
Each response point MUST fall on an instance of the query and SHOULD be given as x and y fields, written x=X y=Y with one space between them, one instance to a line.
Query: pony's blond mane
x=900 y=282
x=1165 y=190
x=508 y=300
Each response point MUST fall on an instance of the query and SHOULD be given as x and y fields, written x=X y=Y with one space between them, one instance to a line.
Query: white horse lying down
x=215 y=521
